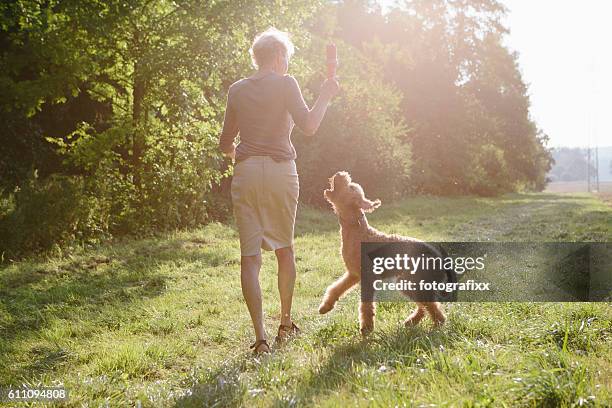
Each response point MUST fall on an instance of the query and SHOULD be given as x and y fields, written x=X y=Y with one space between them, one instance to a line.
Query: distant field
x=161 y=322
x=576 y=187
x=606 y=197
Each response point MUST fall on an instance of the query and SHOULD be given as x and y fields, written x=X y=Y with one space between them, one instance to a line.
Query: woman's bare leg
x=286 y=282
x=249 y=279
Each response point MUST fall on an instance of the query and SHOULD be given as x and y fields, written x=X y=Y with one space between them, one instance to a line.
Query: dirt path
x=500 y=226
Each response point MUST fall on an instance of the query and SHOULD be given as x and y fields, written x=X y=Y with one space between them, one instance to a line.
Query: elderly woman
x=263 y=108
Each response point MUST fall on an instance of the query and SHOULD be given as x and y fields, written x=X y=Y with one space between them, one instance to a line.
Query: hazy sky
x=565 y=50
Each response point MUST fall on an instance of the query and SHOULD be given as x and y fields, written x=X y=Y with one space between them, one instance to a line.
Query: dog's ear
x=369 y=206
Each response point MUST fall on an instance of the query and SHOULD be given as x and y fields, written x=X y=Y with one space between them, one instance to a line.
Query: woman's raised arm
x=309 y=120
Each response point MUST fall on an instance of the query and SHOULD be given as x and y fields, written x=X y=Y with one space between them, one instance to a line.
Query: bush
x=174 y=191
x=171 y=185
x=55 y=211
x=177 y=181
x=489 y=175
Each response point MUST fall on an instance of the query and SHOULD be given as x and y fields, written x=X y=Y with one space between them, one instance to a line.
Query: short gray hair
x=268 y=44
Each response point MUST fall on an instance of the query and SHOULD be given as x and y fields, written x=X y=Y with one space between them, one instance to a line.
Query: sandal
x=255 y=346
x=284 y=332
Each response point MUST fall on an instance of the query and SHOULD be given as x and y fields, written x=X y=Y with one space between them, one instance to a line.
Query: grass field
x=162 y=321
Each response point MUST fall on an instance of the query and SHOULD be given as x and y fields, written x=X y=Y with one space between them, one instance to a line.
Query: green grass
x=162 y=321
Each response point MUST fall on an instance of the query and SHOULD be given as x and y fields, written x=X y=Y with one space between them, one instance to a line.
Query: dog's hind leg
x=367 y=311
x=416 y=316
x=337 y=289
x=435 y=312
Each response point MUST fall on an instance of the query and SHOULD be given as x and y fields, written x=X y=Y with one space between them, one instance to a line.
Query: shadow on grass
x=72 y=295
x=221 y=387
x=400 y=347
x=52 y=300
x=381 y=351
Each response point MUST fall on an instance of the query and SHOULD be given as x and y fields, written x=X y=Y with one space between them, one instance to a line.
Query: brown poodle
x=350 y=204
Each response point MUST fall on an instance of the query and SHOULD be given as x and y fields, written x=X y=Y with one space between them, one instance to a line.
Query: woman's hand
x=232 y=153
x=330 y=88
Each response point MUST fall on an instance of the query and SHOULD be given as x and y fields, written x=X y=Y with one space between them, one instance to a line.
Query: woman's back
x=261 y=109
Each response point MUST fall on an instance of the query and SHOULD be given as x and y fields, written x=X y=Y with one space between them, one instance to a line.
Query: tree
x=128 y=96
x=362 y=132
x=463 y=96
x=570 y=164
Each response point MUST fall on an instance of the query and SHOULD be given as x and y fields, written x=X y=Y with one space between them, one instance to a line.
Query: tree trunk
x=138 y=142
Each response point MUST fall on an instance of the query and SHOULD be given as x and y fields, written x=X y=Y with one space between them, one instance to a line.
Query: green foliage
x=50 y=212
x=180 y=177
x=463 y=94
x=128 y=97
x=362 y=134
x=490 y=172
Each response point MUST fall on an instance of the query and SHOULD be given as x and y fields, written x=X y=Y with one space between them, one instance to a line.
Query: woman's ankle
x=261 y=335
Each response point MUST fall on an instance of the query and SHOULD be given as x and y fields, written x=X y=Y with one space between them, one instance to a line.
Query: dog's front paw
x=325 y=307
x=414 y=318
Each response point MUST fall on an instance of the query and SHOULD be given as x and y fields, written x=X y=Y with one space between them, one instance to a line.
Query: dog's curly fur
x=350 y=205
